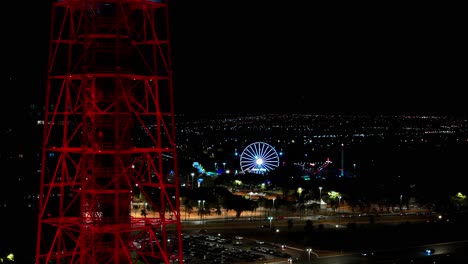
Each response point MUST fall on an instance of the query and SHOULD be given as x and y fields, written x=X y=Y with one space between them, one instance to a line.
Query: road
x=449 y=252
x=293 y=242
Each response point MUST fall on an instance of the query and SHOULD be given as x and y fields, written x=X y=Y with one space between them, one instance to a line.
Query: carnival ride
x=259 y=157
x=313 y=167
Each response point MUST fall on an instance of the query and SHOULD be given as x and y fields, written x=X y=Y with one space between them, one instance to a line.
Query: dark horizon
x=322 y=58
x=289 y=58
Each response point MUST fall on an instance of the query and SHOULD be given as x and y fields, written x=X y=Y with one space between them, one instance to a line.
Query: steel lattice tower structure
x=109 y=179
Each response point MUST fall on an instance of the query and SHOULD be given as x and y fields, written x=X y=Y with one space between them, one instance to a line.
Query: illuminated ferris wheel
x=259 y=157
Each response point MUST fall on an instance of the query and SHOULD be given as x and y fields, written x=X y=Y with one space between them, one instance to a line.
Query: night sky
x=319 y=58
x=290 y=56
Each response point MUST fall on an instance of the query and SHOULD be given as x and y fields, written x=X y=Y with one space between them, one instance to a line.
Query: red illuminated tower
x=109 y=180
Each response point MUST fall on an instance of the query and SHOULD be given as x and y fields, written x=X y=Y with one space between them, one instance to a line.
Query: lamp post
x=401 y=198
x=203 y=211
x=320 y=194
x=270 y=218
x=308 y=253
x=339 y=202
x=193 y=176
x=199 y=211
x=299 y=191
x=274 y=198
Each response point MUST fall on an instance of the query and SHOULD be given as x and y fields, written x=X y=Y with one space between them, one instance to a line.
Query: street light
x=193 y=176
x=270 y=218
x=203 y=210
x=320 y=194
x=308 y=253
x=274 y=204
x=200 y=210
x=339 y=202
x=401 y=197
x=299 y=190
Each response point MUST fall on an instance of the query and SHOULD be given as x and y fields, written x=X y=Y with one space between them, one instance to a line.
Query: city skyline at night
x=362 y=107
x=420 y=152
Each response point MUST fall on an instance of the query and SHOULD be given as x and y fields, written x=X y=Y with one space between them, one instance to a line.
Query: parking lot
x=204 y=247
